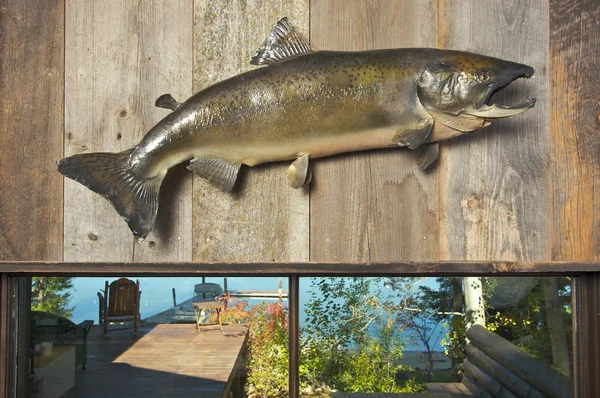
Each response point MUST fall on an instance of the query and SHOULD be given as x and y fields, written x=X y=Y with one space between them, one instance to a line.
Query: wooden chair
x=121 y=303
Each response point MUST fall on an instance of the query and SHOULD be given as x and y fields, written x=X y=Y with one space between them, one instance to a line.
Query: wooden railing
x=497 y=368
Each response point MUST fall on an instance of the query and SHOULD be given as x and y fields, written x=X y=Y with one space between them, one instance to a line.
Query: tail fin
x=109 y=175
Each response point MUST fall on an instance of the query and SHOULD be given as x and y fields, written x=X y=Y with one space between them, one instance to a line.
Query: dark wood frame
x=586 y=296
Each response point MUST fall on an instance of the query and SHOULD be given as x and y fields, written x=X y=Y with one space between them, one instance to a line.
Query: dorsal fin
x=283 y=43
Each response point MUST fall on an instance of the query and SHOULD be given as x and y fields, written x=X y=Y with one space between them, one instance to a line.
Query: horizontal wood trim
x=409 y=268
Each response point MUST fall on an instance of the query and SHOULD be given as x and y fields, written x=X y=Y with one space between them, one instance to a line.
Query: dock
x=163 y=360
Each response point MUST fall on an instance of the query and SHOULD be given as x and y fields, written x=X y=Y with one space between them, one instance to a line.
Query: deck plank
x=164 y=360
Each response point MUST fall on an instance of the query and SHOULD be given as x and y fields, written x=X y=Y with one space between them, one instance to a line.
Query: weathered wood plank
x=31 y=125
x=575 y=109
x=374 y=205
x=263 y=219
x=444 y=268
x=120 y=56
x=494 y=184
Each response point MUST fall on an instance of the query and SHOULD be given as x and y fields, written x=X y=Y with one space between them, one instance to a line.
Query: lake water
x=157 y=294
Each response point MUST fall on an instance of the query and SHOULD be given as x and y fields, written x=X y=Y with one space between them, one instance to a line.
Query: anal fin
x=218 y=171
x=167 y=101
x=299 y=173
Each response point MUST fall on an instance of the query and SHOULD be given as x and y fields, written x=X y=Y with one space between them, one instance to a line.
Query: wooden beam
x=294 y=333
x=4 y=334
x=575 y=119
x=586 y=335
x=407 y=268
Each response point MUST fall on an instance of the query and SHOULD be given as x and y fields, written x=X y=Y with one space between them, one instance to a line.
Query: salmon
x=302 y=105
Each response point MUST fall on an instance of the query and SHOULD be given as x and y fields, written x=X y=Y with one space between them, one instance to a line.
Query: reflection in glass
x=402 y=334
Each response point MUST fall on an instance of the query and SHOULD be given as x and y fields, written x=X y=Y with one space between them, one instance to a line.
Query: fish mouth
x=485 y=108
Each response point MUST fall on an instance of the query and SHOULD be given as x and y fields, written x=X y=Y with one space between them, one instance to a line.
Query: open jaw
x=485 y=108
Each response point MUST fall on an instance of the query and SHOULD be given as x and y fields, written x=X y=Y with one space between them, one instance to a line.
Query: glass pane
x=189 y=338
x=408 y=334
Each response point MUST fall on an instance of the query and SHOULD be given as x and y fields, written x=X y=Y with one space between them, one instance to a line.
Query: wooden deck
x=163 y=361
x=434 y=390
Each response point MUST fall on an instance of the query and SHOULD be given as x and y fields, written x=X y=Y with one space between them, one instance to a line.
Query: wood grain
x=120 y=56
x=575 y=123
x=31 y=125
x=5 y=375
x=412 y=268
x=376 y=205
x=263 y=219
x=494 y=184
x=586 y=323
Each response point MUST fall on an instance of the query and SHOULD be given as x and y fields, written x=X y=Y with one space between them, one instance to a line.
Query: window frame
x=586 y=296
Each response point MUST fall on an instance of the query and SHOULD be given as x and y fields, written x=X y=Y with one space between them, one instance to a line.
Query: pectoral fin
x=167 y=101
x=464 y=123
x=299 y=173
x=427 y=154
x=218 y=171
x=413 y=137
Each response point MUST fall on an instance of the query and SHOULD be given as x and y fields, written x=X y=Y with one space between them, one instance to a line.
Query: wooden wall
x=83 y=76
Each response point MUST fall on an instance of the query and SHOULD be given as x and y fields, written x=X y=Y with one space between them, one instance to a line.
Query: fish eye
x=484 y=76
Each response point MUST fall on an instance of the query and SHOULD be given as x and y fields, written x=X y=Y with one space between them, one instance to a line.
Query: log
x=475 y=390
x=543 y=378
x=486 y=381
x=511 y=381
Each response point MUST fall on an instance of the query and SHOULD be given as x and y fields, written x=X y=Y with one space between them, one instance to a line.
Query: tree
x=51 y=294
x=352 y=339
x=556 y=325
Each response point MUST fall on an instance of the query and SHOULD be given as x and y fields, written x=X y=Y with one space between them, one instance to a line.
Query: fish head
x=460 y=83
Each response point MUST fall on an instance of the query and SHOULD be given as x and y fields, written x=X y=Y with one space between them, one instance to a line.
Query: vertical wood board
x=262 y=219
x=120 y=56
x=494 y=183
x=31 y=123
x=586 y=348
x=375 y=205
x=575 y=129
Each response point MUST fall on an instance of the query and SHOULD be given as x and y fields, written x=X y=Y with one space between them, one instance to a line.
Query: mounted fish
x=303 y=105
